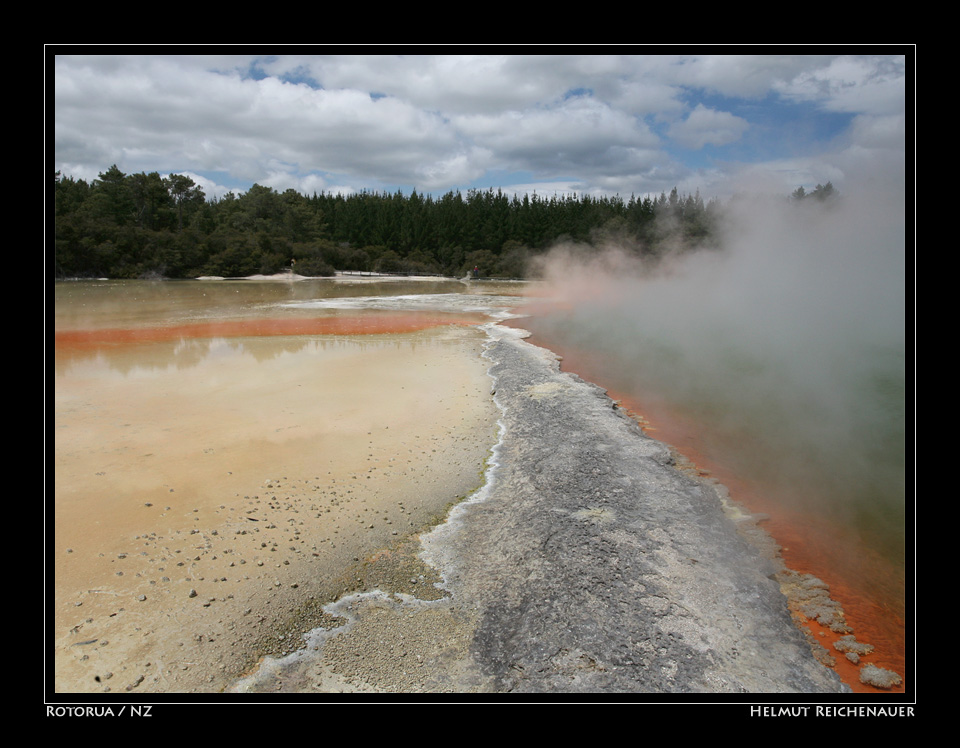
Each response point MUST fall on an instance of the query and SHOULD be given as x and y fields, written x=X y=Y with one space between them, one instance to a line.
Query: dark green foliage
x=822 y=192
x=135 y=225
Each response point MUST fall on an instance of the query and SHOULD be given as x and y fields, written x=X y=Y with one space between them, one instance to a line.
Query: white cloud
x=882 y=131
x=708 y=127
x=445 y=121
x=863 y=85
x=451 y=83
x=579 y=133
x=742 y=75
x=225 y=123
x=644 y=96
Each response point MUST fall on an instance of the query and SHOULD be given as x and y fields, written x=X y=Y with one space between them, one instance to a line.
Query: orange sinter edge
x=355 y=324
x=808 y=545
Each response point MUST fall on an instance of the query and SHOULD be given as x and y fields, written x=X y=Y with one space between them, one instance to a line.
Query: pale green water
x=820 y=416
x=839 y=451
x=788 y=343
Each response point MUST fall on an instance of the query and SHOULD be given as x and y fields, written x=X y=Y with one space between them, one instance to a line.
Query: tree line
x=146 y=225
x=822 y=192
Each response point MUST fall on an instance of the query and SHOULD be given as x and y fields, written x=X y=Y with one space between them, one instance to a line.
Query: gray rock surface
x=600 y=567
x=589 y=564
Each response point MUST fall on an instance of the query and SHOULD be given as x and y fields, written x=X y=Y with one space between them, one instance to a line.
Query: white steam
x=790 y=336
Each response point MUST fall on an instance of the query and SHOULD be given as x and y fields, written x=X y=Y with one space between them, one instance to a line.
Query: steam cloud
x=789 y=339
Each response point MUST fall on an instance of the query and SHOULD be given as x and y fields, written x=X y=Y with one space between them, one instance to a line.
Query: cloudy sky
x=586 y=123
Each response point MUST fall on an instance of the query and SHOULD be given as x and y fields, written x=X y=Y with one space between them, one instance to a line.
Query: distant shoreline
x=340 y=275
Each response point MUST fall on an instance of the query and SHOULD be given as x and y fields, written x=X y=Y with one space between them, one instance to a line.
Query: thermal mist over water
x=789 y=341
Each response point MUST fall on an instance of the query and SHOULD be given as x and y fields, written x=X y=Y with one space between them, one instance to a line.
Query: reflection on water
x=184 y=353
x=186 y=395
x=197 y=344
x=221 y=457
x=187 y=339
x=202 y=373
x=93 y=318
x=97 y=304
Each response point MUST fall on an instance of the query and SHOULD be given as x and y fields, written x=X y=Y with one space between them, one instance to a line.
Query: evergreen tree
x=185 y=192
x=130 y=225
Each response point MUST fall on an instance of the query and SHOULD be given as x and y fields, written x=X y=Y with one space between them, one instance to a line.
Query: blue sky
x=585 y=123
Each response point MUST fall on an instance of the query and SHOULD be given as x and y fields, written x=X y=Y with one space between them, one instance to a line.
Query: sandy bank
x=339 y=277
